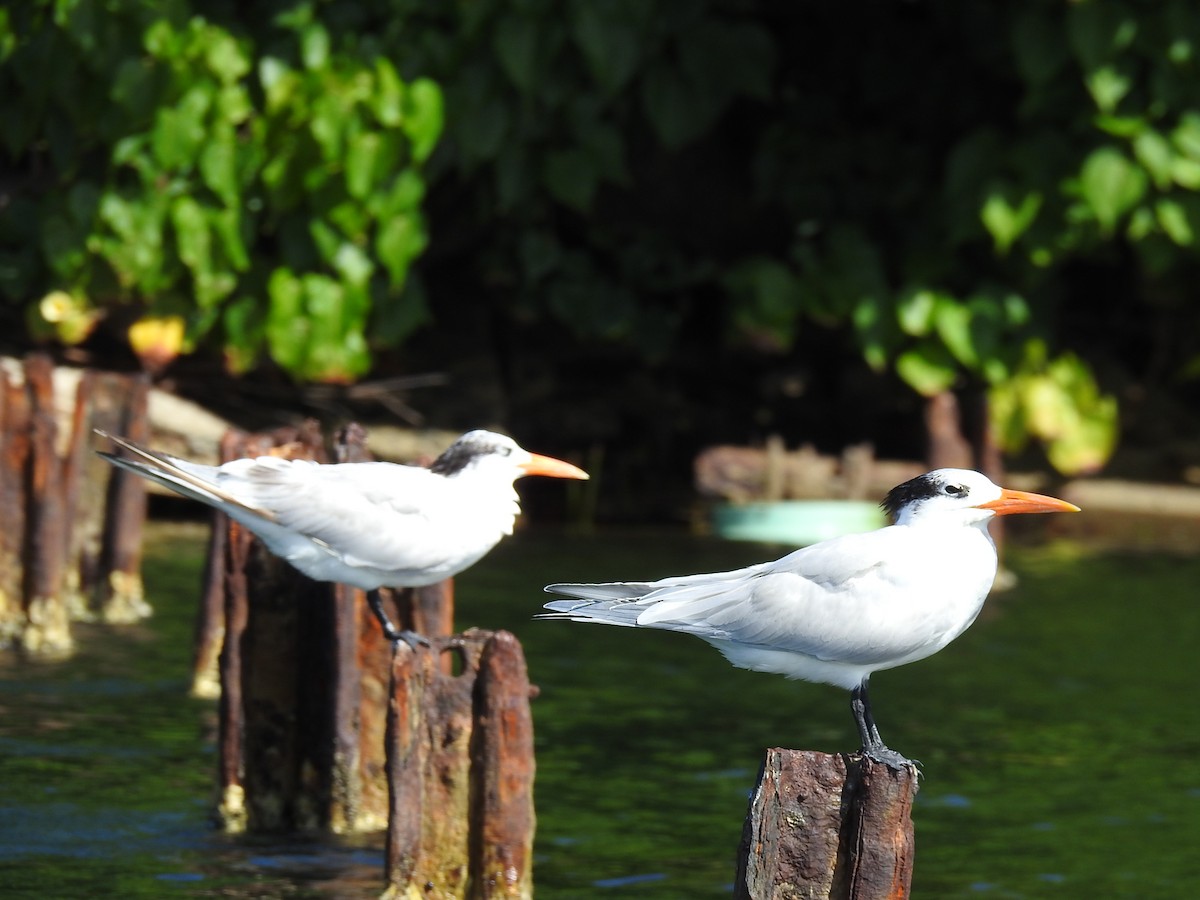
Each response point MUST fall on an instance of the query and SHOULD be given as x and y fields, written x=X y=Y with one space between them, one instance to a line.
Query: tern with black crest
x=837 y=611
x=370 y=524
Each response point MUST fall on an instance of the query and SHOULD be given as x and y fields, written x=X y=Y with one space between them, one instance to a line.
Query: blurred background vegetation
x=640 y=227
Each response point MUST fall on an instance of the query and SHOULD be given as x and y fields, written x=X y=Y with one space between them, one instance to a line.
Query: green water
x=1059 y=738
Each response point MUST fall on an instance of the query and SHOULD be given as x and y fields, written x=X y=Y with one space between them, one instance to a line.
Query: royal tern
x=371 y=524
x=837 y=611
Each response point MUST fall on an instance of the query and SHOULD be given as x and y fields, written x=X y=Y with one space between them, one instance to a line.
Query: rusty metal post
x=102 y=402
x=121 y=594
x=14 y=459
x=830 y=826
x=48 y=631
x=210 y=615
x=231 y=720
x=76 y=509
x=502 y=769
x=460 y=772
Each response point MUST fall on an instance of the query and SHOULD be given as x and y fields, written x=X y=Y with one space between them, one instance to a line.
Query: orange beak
x=1011 y=502
x=554 y=468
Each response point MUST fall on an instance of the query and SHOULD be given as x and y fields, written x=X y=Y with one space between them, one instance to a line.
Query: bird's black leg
x=414 y=640
x=873 y=746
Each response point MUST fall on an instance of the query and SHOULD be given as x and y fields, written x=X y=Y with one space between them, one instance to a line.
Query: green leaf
x=517 y=42
x=225 y=57
x=915 y=310
x=872 y=332
x=226 y=225
x=571 y=178
x=1186 y=135
x=278 y=80
x=1037 y=46
x=424 y=117
x=928 y=369
x=1174 y=221
x=63 y=245
x=314 y=46
x=192 y=238
x=242 y=320
x=767 y=302
x=1098 y=31
x=1107 y=86
x=1120 y=126
x=353 y=265
x=180 y=131
x=1005 y=222
x=400 y=240
x=952 y=321
x=1186 y=173
x=362 y=155
x=677 y=111
x=1154 y=152
x=610 y=45
x=395 y=317
x=328 y=124
x=388 y=96
x=287 y=328
x=1110 y=185
x=218 y=167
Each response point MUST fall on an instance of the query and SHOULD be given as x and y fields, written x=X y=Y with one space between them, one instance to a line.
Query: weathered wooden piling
x=303 y=672
x=59 y=507
x=107 y=506
x=460 y=771
x=827 y=826
x=121 y=597
x=14 y=458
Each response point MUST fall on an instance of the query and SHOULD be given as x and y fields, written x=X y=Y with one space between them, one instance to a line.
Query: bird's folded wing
x=827 y=601
x=372 y=512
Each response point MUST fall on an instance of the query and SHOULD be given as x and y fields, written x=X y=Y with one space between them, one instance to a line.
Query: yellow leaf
x=157 y=341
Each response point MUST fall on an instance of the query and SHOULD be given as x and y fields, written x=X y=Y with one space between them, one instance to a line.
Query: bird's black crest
x=461 y=454
x=920 y=488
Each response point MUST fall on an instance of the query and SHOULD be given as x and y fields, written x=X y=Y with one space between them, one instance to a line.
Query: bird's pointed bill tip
x=1011 y=501
x=553 y=468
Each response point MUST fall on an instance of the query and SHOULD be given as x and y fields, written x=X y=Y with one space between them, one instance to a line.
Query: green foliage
x=1058 y=403
x=928 y=192
x=928 y=189
x=261 y=178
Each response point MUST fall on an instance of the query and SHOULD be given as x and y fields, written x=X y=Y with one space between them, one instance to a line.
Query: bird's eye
x=954 y=490
x=505 y=451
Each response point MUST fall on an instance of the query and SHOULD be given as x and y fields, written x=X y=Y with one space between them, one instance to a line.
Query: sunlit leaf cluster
x=258 y=180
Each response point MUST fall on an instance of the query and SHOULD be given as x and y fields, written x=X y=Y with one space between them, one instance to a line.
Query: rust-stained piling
x=14 y=459
x=260 y=666
x=48 y=630
x=460 y=771
x=120 y=594
x=303 y=675
x=58 y=506
x=101 y=499
x=828 y=826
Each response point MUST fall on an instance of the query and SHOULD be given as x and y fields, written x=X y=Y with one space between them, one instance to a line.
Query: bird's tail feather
x=189 y=479
x=617 y=590
x=609 y=612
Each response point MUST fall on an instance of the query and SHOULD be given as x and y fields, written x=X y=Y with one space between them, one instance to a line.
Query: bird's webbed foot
x=893 y=759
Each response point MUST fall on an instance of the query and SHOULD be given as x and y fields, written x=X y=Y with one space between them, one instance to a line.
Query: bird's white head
x=499 y=456
x=962 y=496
